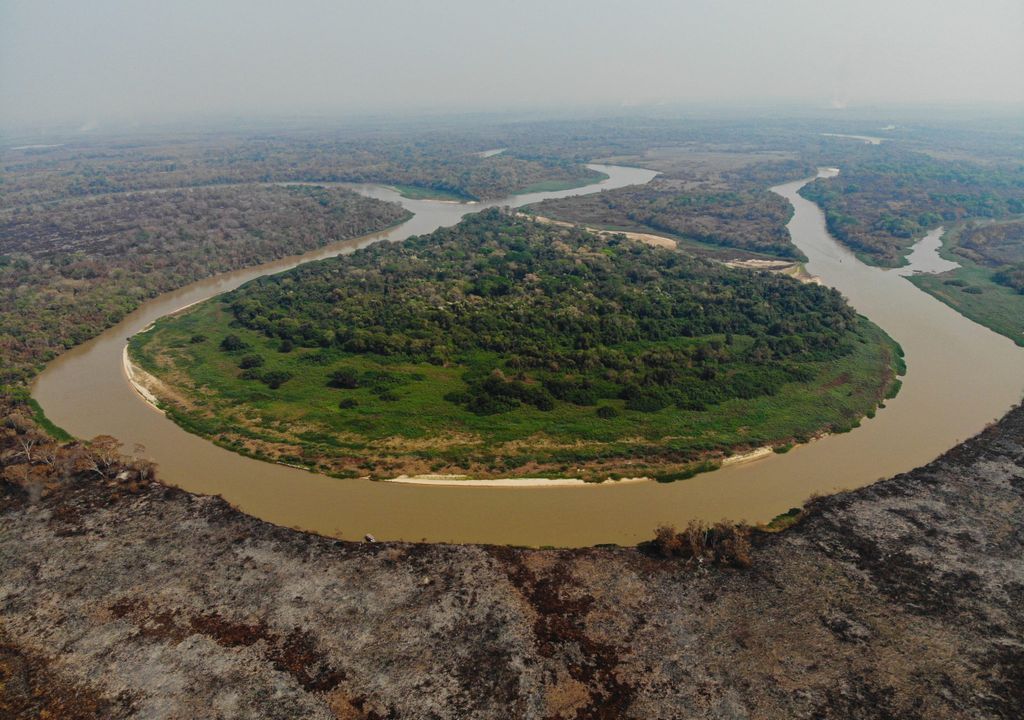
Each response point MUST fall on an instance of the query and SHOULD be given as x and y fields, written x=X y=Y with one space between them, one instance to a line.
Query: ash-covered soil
x=901 y=600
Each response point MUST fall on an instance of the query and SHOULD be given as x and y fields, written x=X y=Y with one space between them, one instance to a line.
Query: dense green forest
x=505 y=332
x=886 y=198
x=69 y=270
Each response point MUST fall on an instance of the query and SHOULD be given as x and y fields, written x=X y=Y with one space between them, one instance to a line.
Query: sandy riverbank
x=785 y=267
x=646 y=238
x=141 y=381
x=464 y=481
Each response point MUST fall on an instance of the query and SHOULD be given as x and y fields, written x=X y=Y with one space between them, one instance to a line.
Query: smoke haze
x=87 y=62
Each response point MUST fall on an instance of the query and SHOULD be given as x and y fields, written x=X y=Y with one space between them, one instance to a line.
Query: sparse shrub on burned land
x=720 y=544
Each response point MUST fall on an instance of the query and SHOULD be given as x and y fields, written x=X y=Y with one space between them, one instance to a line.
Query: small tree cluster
x=36 y=463
x=720 y=544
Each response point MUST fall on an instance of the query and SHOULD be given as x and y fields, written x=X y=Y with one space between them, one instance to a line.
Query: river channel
x=960 y=377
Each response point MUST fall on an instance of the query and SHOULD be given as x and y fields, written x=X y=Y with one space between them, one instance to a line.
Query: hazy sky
x=89 y=61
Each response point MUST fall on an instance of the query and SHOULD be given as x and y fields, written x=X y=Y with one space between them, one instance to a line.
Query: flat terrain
x=506 y=346
x=425 y=162
x=988 y=287
x=70 y=269
x=120 y=597
x=901 y=600
x=886 y=198
x=712 y=203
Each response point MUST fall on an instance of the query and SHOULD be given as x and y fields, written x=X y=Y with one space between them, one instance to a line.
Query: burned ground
x=901 y=600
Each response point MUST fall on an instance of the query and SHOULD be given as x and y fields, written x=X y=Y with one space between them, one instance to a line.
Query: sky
x=100 y=61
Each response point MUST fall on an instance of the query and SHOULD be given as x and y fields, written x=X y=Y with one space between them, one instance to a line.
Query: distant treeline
x=443 y=164
x=886 y=198
x=70 y=270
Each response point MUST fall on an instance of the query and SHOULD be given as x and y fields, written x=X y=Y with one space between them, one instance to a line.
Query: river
x=960 y=377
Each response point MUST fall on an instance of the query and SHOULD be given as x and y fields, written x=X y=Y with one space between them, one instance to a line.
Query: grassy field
x=971 y=291
x=418 y=192
x=411 y=428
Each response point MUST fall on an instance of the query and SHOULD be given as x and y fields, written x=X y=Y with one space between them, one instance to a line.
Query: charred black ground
x=125 y=598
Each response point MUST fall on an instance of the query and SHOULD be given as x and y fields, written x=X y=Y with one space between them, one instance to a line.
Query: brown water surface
x=961 y=376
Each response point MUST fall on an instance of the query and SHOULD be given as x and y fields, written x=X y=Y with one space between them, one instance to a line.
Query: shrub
x=458 y=397
x=721 y=544
x=233 y=343
x=607 y=412
x=275 y=378
x=196 y=339
x=578 y=391
x=669 y=542
x=645 y=399
x=250 y=361
x=894 y=389
x=348 y=403
x=344 y=378
x=687 y=472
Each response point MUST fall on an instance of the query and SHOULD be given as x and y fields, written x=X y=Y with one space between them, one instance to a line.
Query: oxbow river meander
x=960 y=377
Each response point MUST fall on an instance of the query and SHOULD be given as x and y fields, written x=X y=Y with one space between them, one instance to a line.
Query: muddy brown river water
x=960 y=377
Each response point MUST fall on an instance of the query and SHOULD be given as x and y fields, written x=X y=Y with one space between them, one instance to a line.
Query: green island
x=988 y=287
x=507 y=347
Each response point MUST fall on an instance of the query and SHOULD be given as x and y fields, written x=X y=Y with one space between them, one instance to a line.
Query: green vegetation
x=784 y=520
x=886 y=199
x=418 y=192
x=743 y=218
x=504 y=345
x=559 y=185
x=54 y=431
x=70 y=270
x=987 y=285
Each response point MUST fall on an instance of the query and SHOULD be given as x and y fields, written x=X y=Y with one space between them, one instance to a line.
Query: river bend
x=960 y=377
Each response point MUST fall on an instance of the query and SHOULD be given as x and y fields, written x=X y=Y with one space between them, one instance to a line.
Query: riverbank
x=346 y=412
x=165 y=603
x=942 y=349
x=969 y=287
x=141 y=381
x=539 y=482
x=786 y=267
x=645 y=238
